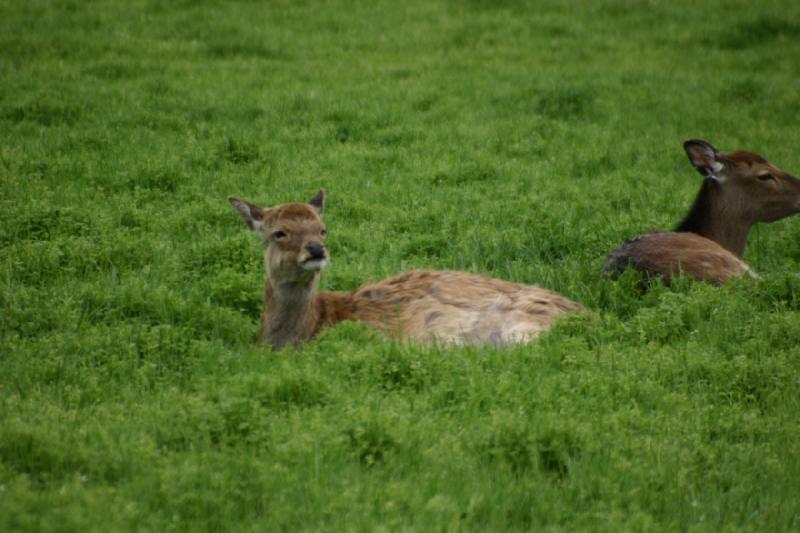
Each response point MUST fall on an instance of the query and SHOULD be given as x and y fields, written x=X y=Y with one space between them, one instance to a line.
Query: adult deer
x=738 y=190
x=422 y=306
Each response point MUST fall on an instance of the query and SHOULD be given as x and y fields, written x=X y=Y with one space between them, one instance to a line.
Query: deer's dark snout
x=316 y=250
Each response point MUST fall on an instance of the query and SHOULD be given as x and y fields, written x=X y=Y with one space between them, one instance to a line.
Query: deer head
x=750 y=188
x=294 y=235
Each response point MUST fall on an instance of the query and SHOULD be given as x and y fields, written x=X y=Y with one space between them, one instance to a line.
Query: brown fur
x=710 y=241
x=421 y=306
x=666 y=254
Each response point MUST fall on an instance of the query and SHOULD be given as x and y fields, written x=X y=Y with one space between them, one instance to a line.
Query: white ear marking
x=713 y=170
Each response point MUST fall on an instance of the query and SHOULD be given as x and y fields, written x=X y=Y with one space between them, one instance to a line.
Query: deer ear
x=706 y=159
x=252 y=215
x=318 y=202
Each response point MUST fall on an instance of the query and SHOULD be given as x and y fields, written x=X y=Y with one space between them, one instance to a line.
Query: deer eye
x=280 y=234
x=323 y=232
x=766 y=177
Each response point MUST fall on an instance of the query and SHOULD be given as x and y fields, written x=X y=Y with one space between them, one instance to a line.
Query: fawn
x=421 y=306
x=738 y=190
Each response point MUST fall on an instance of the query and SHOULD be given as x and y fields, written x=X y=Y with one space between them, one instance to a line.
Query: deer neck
x=715 y=217
x=290 y=312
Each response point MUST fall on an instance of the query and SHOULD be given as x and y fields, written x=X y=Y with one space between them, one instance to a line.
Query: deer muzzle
x=317 y=259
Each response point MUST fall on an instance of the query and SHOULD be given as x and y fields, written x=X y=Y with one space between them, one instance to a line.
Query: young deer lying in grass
x=739 y=189
x=422 y=305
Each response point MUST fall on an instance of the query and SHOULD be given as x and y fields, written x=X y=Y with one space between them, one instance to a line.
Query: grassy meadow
x=522 y=140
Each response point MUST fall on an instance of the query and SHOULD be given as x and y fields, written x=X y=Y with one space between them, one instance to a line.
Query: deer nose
x=316 y=250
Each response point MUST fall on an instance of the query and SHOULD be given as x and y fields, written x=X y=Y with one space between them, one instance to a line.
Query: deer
x=419 y=306
x=738 y=190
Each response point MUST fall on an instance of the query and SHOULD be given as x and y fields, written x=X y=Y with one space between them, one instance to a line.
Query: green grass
x=518 y=139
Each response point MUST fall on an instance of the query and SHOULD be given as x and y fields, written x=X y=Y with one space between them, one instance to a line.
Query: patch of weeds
x=225 y=50
x=164 y=97
x=355 y=333
x=135 y=354
x=736 y=427
x=425 y=103
x=343 y=133
x=676 y=315
x=300 y=104
x=202 y=114
x=466 y=173
x=129 y=218
x=565 y=103
x=113 y=71
x=209 y=491
x=349 y=127
x=29 y=312
x=277 y=393
x=41 y=458
x=188 y=424
x=450 y=397
x=34 y=168
x=215 y=255
x=169 y=347
x=358 y=211
x=393 y=137
x=492 y=5
x=400 y=73
x=38 y=262
x=238 y=152
x=161 y=179
x=45 y=111
x=34 y=227
x=621 y=296
x=751 y=383
x=694 y=377
x=136 y=300
x=397 y=369
x=556 y=451
x=426 y=245
x=370 y=443
x=298 y=391
x=47 y=225
x=237 y=291
x=426 y=218
x=783 y=289
x=511 y=443
x=243 y=423
x=248 y=114
x=744 y=91
x=524 y=145
x=248 y=403
x=593 y=167
x=549 y=245
x=760 y=31
x=706 y=464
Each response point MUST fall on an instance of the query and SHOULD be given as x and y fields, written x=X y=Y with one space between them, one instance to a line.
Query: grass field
x=523 y=140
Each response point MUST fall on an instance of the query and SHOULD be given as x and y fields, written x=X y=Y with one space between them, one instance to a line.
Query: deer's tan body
x=421 y=306
x=739 y=190
x=458 y=307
